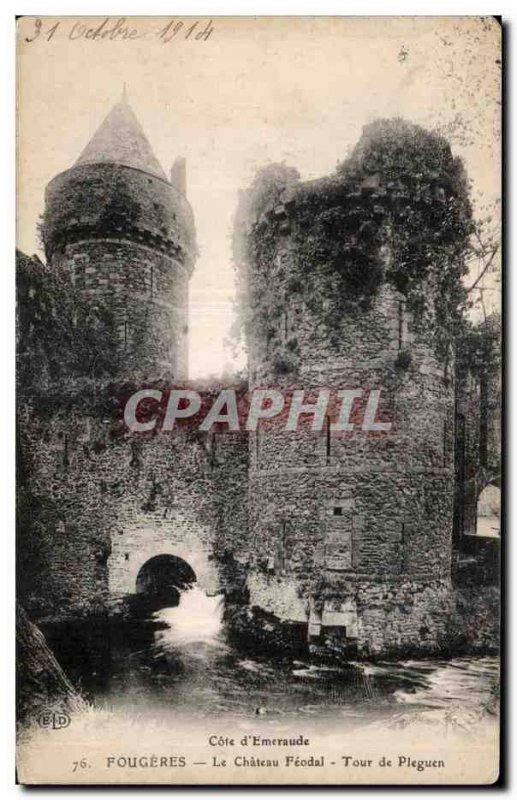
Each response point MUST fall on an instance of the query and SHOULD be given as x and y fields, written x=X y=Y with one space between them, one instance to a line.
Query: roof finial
x=124 y=98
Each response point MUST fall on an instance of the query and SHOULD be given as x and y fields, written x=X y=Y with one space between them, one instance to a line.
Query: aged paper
x=258 y=400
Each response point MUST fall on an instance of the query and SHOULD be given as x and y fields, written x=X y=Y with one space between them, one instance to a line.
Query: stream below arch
x=178 y=660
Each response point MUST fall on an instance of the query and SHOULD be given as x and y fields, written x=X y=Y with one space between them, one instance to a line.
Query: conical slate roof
x=120 y=139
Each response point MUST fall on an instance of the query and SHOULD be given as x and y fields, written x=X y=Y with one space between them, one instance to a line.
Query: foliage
x=478 y=355
x=63 y=340
x=100 y=199
x=478 y=349
x=253 y=242
x=396 y=210
x=429 y=224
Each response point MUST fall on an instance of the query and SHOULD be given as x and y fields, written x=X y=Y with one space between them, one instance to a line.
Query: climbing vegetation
x=396 y=210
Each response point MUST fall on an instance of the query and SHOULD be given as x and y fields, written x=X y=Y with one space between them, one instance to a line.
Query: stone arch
x=132 y=547
x=164 y=567
x=164 y=577
x=489 y=511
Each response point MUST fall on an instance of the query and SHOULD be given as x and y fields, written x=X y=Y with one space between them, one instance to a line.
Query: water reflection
x=178 y=661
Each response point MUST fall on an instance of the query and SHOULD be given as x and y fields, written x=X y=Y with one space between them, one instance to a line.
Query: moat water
x=180 y=661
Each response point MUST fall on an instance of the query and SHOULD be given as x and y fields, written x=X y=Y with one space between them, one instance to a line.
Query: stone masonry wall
x=112 y=197
x=384 y=615
x=370 y=513
x=145 y=291
x=102 y=502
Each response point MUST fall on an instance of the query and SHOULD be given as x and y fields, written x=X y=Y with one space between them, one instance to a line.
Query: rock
x=40 y=680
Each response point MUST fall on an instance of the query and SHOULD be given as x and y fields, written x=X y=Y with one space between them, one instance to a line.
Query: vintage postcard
x=258 y=400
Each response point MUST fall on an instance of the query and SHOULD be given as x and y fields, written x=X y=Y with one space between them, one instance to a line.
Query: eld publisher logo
x=54 y=719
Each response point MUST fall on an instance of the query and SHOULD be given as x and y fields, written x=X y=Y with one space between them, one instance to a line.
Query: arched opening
x=489 y=511
x=162 y=579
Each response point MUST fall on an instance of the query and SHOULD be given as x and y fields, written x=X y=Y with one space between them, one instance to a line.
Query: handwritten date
x=121 y=30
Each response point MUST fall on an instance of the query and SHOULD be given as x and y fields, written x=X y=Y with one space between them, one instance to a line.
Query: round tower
x=351 y=529
x=124 y=235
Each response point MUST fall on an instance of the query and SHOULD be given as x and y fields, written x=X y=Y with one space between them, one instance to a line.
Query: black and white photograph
x=258 y=400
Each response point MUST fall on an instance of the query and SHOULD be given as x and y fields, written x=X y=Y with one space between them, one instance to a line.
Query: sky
x=251 y=92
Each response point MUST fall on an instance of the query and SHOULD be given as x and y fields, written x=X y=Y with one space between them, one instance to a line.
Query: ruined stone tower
x=351 y=533
x=125 y=235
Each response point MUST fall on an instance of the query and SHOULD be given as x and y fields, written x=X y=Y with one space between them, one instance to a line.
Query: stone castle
x=345 y=540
